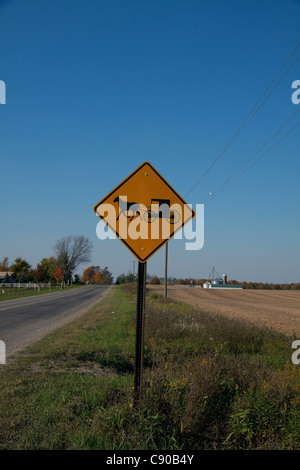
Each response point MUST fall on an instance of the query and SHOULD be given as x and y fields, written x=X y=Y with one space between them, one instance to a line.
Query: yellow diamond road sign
x=144 y=211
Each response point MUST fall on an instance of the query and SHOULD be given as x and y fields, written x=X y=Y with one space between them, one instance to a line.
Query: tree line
x=245 y=284
x=154 y=279
x=69 y=253
x=96 y=275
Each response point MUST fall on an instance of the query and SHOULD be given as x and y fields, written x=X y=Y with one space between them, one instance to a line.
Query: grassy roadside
x=210 y=383
x=61 y=393
x=8 y=293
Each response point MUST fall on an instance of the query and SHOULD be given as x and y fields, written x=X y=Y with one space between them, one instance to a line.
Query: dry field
x=279 y=310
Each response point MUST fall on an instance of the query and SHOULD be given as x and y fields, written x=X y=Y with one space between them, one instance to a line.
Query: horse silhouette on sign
x=125 y=207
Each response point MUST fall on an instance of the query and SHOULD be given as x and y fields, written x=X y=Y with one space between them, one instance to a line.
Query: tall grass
x=218 y=383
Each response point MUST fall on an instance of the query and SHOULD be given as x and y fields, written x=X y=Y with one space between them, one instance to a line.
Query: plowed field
x=279 y=310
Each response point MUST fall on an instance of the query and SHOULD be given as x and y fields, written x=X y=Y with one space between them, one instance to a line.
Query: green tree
x=7 y=279
x=48 y=266
x=122 y=278
x=107 y=277
x=21 y=270
x=77 y=279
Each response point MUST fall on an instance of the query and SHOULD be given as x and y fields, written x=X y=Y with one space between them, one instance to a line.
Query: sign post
x=139 y=338
x=166 y=273
x=144 y=212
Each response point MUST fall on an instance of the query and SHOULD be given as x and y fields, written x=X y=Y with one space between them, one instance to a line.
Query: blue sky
x=95 y=88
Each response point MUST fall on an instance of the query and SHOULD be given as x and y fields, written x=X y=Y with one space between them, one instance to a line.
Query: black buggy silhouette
x=149 y=215
x=164 y=212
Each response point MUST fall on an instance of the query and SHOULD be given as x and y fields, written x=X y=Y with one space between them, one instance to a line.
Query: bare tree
x=72 y=251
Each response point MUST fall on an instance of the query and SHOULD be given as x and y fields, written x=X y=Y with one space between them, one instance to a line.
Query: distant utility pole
x=166 y=272
x=133 y=269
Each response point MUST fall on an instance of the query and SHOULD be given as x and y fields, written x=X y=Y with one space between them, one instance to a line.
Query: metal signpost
x=139 y=338
x=166 y=272
x=144 y=212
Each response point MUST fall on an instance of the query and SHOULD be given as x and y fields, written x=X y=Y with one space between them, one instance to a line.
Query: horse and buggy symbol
x=160 y=208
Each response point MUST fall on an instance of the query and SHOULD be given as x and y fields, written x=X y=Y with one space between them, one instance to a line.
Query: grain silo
x=218 y=282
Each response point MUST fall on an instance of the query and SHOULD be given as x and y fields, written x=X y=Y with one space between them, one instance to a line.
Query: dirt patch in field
x=277 y=310
x=85 y=368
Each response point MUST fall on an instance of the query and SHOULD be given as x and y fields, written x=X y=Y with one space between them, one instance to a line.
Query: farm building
x=3 y=274
x=221 y=285
x=219 y=282
x=206 y=285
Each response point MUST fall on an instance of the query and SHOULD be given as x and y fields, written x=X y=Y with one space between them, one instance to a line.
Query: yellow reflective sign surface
x=144 y=211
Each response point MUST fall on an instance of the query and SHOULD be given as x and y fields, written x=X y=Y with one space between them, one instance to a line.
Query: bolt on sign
x=144 y=211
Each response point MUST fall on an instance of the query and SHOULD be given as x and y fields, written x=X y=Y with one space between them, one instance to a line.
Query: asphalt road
x=23 y=321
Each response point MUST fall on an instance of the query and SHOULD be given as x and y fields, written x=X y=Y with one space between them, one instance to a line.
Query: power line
x=250 y=115
x=253 y=163
x=251 y=158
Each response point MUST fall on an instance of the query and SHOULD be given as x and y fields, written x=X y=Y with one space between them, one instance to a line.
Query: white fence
x=31 y=285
